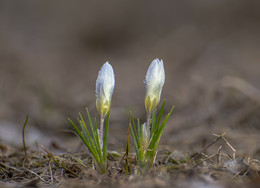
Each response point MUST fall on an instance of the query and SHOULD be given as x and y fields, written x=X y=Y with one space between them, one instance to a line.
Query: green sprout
x=96 y=142
x=146 y=137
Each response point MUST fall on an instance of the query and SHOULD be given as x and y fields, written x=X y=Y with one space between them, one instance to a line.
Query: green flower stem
x=102 y=118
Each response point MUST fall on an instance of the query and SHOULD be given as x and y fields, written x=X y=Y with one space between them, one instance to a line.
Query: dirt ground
x=50 y=55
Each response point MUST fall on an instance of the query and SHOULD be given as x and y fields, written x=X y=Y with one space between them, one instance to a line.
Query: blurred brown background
x=51 y=52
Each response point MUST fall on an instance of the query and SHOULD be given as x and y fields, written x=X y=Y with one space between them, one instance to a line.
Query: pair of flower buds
x=154 y=81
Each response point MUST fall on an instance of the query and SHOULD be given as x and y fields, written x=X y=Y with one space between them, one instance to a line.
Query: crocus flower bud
x=105 y=85
x=154 y=81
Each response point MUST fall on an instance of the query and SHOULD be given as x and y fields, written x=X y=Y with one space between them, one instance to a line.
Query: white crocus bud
x=105 y=85
x=154 y=81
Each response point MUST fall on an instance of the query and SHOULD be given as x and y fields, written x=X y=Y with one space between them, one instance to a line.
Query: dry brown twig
x=218 y=153
x=206 y=147
x=231 y=147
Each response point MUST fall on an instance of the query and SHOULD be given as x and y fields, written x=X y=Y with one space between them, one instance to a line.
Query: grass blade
x=24 y=146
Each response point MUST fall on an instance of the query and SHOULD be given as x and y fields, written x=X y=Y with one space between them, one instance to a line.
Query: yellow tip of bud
x=103 y=107
x=150 y=103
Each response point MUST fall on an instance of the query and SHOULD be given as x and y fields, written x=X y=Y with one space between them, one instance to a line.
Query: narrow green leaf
x=83 y=126
x=89 y=139
x=165 y=121
x=141 y=148
x=74 y=126
x=96 y=130
x=90 y=123
x=134 y=139
x=95 y=123
x=153 y=123
x=134 y=128
x=85 y=130
x=139 y=127
x=155 y=140
x=94 y=133
x=85 y=141
x=160 y=115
